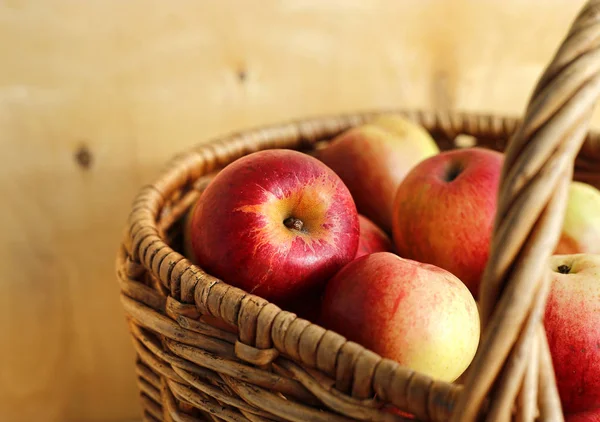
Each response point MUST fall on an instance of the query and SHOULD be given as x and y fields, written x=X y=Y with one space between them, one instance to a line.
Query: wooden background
x=95 y=95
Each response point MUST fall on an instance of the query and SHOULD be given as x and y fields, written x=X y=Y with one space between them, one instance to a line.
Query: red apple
x=276 y=223
x=372 y=159
x=372 y=238
x=419 y=315
x=589 y=416
x=581 y=227
x=444 y=212
x=572 y=322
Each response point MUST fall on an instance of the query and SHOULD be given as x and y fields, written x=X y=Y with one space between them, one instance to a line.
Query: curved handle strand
x=532 y=200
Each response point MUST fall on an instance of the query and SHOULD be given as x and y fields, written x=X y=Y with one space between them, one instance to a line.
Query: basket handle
x=532 y=200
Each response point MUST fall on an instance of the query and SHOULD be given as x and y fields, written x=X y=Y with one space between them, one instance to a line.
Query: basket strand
x=532 y=201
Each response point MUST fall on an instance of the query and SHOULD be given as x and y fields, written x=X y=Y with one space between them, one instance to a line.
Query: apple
x=276 y=223
x=372 y=239
x=581 y=227
x=419 y=315
x=589 y=416
x=572 y=322
x=444 y=212
x=373 y=158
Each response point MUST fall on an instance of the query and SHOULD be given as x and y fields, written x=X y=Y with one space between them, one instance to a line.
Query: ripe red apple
x=419 y=315
x=572 y=322
x=372 y=238
x=372 y=159
x=581 y=227
x=444 y=212
x=276 y=223
x=589 y=416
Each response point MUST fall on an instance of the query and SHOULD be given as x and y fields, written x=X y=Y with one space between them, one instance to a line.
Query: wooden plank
x=133 y=82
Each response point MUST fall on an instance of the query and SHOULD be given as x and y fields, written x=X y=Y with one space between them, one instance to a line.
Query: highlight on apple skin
x=572 y=322
x=419 y=315
x=276 y=223
x=444 y=212
x=581 y=227
x=372 y=159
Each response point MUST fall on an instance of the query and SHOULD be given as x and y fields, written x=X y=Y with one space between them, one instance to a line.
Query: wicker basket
x=209 y=351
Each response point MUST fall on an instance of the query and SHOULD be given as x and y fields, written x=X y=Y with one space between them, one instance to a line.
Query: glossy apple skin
x=589 y=416
x=419 y=315
x=372 y=160
x=572 y=321
x=239 y=234
x=581 y=227
x=449 y=223
x=372 y=238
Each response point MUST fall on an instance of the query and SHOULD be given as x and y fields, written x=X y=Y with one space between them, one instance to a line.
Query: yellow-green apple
x=444 y=212
x=572 y=321
x=372 y=238
x=417 y=314
x=276 y=223
x=372 y=159
x=589 y=416
x=581 y=227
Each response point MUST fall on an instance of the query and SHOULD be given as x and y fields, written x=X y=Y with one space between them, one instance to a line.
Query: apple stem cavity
x=453 y=172
x=564 y=269
x=294 y=223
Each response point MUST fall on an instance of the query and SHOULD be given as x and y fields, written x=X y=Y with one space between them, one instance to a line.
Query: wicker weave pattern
x=266 y=364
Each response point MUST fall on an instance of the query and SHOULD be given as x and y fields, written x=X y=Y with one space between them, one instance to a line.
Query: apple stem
x=564 y=269
x=293 y=223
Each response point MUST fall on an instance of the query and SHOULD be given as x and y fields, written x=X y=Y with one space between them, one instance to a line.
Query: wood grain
x=95 y=96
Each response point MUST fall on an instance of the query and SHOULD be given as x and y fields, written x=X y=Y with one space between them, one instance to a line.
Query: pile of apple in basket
x=383 y=238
